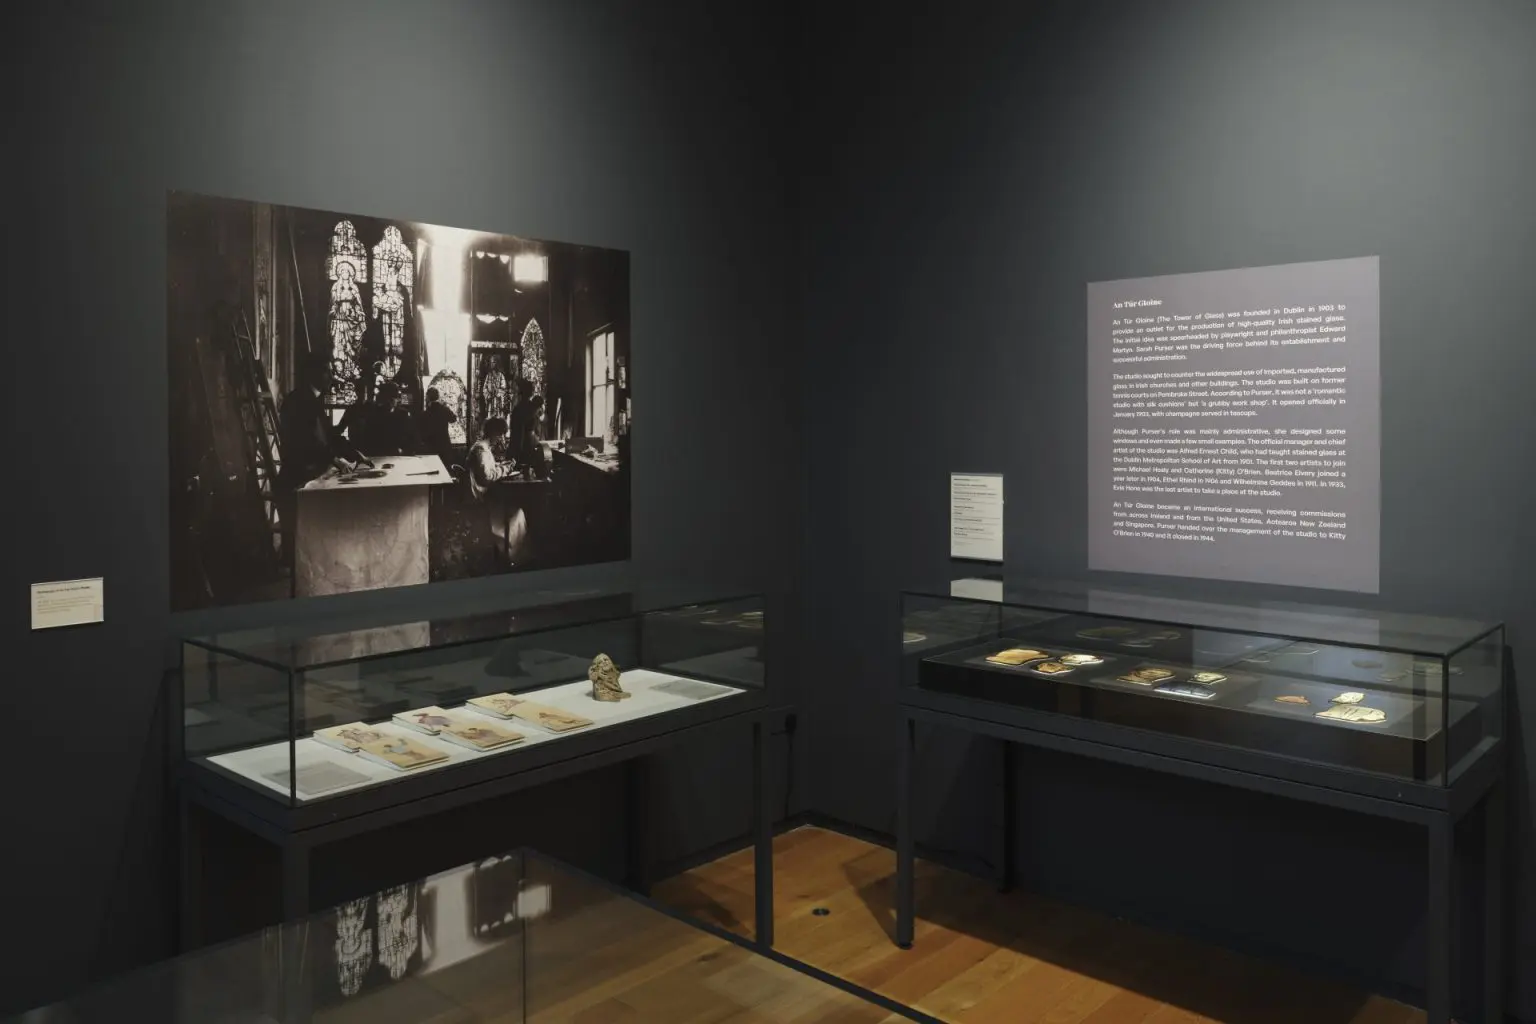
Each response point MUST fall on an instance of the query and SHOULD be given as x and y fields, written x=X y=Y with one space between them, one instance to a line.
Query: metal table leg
x=1439 y=926
x=1005 y=845
x=762 y=838
x=1494 y=840
x=189 y=931
x=905 y=897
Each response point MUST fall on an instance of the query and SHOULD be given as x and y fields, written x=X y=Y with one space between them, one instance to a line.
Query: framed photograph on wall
x=330 y=375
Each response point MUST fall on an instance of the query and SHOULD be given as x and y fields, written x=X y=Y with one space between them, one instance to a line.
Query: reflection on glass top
x=1424 y=635
x=514 y=939
x=337 y=639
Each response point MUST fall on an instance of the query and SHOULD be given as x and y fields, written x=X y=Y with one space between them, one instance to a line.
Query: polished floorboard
x=597 y=956
x=984 y=958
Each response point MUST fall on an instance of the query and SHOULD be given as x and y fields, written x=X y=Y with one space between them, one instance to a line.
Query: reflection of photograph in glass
x=399 y=930
x=353 y=946
x=493 y=889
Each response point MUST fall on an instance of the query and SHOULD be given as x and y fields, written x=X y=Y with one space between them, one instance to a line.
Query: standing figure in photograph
x=436 y=418
x=397 y=434
x=525 y=443
x=308 y=443
x=509 y=525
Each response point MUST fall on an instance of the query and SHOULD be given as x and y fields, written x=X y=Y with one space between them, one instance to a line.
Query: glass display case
x=512 y=939
x=309 y=712
x=1415 y=697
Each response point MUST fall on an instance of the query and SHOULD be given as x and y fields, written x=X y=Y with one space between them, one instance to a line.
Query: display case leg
x=295 y=880
x=1439 y=928
x=904 y=839
x=1494 y=841
x=637 y=848
x=189 y=932
x=1009 y=796
x=762 y=838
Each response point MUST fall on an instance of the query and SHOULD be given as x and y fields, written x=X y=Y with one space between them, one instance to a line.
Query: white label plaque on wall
x=976 y=516
x=67 y=603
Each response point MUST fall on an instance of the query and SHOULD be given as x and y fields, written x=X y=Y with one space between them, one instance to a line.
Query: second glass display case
x=306 y=713
x=1414 y=697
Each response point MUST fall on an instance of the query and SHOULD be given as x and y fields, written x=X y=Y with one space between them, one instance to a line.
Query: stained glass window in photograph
x=533 y=357
x=347 y=269
x=393 y=280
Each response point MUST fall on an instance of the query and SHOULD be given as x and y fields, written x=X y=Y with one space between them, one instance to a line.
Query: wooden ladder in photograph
x=258 y=417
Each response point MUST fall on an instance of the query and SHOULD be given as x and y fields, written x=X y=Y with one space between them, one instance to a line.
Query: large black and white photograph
x=360 y=402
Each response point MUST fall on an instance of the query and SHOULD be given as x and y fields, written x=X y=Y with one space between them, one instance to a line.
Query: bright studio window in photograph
x=600 y=384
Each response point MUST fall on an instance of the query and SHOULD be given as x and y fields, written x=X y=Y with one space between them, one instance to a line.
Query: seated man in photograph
x=485 y=468
x=509 y=525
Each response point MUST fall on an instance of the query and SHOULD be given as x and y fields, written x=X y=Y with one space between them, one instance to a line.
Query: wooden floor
x=598 y=956
x=982 y=958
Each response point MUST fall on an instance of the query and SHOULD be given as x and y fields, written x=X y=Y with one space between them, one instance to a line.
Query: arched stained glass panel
x=393 y=282
x=533 y=356
x=347 y=269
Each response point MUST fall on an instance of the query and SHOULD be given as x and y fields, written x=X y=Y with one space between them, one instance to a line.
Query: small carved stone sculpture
x=605 y=680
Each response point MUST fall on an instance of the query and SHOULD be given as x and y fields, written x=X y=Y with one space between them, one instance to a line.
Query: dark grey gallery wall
x=652 y=128
x=980 y=165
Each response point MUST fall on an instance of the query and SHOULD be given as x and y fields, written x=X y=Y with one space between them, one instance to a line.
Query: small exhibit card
x=976 y=516
x=67 y=603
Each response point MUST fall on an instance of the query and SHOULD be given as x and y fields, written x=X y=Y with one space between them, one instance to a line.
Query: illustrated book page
x=430 y=721
x=351 y=737
x=478 y=736
x=402 y=752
